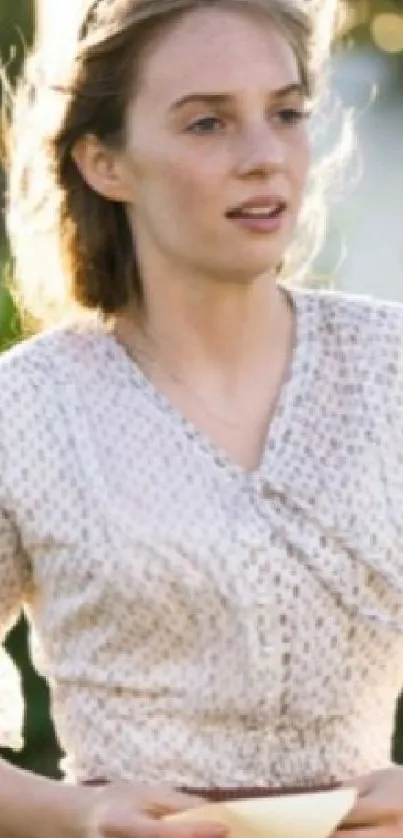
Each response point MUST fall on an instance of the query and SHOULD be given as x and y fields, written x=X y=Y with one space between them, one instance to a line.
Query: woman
x=200 y=493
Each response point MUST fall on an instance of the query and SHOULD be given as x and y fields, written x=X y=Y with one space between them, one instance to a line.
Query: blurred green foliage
x=16 y=33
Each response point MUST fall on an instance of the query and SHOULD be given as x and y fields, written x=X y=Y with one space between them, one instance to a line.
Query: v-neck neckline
x=294 y=383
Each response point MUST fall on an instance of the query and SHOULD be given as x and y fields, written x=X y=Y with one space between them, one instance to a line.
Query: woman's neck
x=221 y=332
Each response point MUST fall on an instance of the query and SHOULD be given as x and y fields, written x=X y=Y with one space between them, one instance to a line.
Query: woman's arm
x=34 y=807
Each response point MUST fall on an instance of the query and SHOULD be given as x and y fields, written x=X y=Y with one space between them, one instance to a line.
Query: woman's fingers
x=161 y=800
x=127 y=810
x=382 y=831
x=370 y=813
x=379 y=801
x=144 y=827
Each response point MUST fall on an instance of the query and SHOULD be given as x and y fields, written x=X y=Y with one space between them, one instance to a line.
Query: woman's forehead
x=217 y=51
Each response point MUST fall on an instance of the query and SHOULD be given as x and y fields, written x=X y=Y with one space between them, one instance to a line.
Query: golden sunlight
x=54 y=21
x=351 y=15
x=387 y=32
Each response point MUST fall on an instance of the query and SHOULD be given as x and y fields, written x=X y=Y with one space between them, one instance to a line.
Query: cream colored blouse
x=199 y=624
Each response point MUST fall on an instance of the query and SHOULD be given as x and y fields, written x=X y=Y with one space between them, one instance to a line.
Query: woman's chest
x=291 y=582
x=171 y=504
x=293 y=573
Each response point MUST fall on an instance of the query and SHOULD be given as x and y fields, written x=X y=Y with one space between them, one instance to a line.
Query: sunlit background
x=365 y=242
x=363 y=251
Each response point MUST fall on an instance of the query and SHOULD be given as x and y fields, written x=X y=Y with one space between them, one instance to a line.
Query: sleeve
x=11 y=596
x=23 y=402
x=11 y=581
x=14 y=579
x=382 y=349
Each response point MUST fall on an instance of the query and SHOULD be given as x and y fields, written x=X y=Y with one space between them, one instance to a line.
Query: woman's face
x=217 y=148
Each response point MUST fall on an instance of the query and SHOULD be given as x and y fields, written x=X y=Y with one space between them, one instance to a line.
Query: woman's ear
x=102 y=168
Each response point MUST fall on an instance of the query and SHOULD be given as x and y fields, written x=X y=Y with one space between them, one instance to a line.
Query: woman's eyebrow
x=225 y=98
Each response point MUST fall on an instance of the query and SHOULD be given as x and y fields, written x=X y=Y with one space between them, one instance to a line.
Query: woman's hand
x=130 y=810
x=379 y=809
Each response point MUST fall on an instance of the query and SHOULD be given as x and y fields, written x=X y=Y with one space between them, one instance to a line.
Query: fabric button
x=266 y=490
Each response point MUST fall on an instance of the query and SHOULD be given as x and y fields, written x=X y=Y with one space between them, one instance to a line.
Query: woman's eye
x=291 y=116
x=206 y=125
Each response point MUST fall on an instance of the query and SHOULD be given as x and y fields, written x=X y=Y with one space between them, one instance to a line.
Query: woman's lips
x=267 y=218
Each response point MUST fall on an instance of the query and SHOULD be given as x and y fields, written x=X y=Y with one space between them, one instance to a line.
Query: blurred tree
x=16 y=32
x=379 y=21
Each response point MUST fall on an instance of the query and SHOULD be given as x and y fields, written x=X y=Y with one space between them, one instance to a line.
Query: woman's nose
x=260 y=151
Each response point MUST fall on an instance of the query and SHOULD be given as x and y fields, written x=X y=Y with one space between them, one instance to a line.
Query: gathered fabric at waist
x=107 y=735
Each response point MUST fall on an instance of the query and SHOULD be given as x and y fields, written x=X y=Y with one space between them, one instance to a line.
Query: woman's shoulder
x=35 y=375
x=367 y=327
x=46 y=355
x=356 y=311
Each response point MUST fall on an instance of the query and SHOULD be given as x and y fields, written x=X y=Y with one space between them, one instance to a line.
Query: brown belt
x=219 y=795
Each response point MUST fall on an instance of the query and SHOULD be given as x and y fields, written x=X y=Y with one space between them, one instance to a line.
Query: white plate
x=308 y=815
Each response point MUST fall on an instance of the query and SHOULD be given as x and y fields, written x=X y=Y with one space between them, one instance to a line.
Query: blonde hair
x=70 y=246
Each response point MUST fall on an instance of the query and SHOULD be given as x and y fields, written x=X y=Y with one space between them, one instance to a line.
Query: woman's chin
x=247 y=271
x=252 y=262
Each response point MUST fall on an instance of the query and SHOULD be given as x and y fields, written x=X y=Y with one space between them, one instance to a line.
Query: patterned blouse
x=203 y=625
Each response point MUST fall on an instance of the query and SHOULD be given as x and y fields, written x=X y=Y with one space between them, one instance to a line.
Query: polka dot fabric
x=202 y=625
